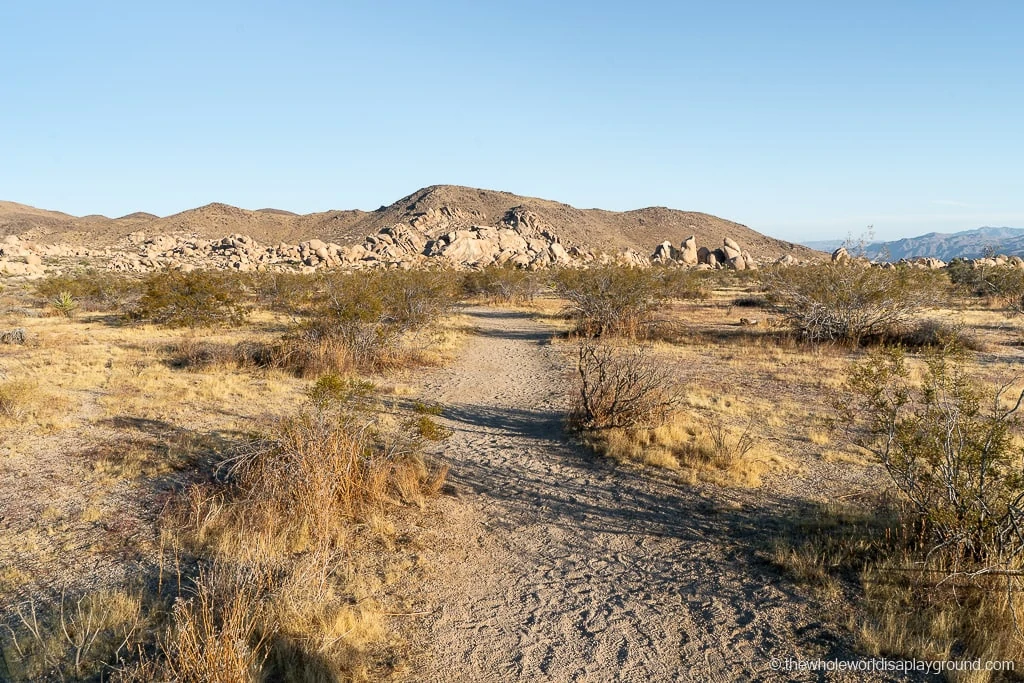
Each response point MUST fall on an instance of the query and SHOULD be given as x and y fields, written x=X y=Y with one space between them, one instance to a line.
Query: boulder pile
x=439 y=237
x=434 y=238
x=729 y=255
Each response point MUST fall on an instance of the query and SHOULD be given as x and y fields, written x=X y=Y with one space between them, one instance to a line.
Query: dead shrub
x=81 y=638
x=196 y=354
x=217 y=634
x=620 y=389
x=726 y=448
x=15 y=336
x=17 y=398
x=932 y=333
x=317 y=472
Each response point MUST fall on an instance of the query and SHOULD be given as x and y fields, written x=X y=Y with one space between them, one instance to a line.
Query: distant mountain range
x=945 y=246
x=438 y=207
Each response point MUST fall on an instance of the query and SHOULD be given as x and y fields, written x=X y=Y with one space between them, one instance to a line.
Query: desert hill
x=433 y=209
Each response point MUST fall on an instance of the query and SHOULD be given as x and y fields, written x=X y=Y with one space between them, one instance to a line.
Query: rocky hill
x=432 y=210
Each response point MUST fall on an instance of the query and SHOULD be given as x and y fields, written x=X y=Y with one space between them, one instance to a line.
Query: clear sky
x=800 y=119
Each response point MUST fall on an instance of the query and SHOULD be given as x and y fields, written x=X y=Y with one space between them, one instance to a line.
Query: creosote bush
x=850 y=302
x=359 y=320
x=505 y=284
x=195 y=299
x=948 y=447
x=1003 y=284
x=611 y=299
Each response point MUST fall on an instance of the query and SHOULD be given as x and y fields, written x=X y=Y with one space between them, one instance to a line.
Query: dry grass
x=909 y=614
x=292 y=565
x=698 y=447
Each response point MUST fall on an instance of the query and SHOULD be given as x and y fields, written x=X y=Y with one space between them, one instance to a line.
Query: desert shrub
x=725 y=448
x=950 y=455
x=429 y=429
x=751 y=301
x=620 y=389
x=359 y=320
x=217 y=634
x=93 y=289
x=13 y=336
x=64 y=304
x=684 y=283
x=81 y=638
x=851 y=303
x=932 y=333
x=1004 y=284
x=195 y=299
x=286 y=292
x=332 y=391
x=611 y=300
x=502 y=284
x=317 y=472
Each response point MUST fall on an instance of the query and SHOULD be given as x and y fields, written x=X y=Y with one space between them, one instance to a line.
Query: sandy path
x=568 y=568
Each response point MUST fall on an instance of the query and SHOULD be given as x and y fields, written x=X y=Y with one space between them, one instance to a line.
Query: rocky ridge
x=430 y=239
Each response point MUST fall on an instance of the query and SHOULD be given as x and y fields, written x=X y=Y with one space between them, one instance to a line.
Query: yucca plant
x=64 y=304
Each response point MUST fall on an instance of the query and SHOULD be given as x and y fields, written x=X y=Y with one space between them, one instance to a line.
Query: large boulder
x=469 y=251
x=689 y=254
x=664 y=253
x=558 y=254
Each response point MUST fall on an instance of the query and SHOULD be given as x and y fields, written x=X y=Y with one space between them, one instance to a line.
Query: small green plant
x=64 y=304
x=334 y=391
x=421 y=408
x=429 y=429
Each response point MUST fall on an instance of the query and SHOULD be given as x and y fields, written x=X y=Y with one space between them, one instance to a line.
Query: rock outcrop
x=729 y=255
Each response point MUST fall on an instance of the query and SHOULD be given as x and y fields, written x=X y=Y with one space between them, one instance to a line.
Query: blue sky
x=800 y=119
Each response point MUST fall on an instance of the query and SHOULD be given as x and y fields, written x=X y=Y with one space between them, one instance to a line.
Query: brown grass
x=288 y=566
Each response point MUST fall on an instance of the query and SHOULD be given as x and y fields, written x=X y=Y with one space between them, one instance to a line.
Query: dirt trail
x=568 y=568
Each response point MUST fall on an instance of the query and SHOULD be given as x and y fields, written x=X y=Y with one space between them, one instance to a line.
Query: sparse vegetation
x=359 y=321
x=951 y=456
x=195 y=299
x=282 y=563
x=611 y=300
x=93 y=289
x=851 y=303
x=505 y=284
